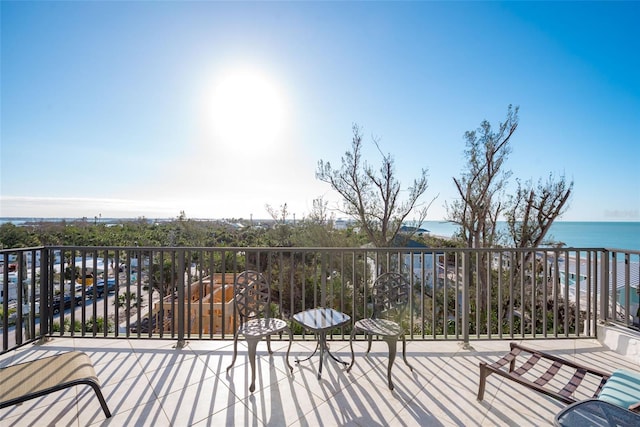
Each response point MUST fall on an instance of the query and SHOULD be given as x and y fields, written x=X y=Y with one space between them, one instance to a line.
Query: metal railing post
x=629 y=317
x=181 y=300
x=323 y=280
x=4 y=283
x=604 y=286
x=466 y=271
x=44 y=293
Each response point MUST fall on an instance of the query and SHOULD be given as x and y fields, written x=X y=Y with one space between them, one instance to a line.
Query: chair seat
x=30 y=380
x=537 y=370
x=263 y=326
x=622 y=389
x=382 y=327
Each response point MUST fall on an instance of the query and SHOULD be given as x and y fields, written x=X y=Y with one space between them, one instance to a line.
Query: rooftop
x=150 y=382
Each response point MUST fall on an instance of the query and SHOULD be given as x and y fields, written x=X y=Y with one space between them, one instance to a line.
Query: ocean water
x=612 y=235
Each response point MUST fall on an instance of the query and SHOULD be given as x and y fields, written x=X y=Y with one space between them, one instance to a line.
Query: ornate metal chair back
x=390 y=296
x=252 y=295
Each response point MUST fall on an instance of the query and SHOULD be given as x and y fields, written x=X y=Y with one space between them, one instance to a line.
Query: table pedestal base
x=324 y=348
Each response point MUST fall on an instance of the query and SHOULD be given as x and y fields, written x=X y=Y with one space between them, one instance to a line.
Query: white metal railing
x=181 y=293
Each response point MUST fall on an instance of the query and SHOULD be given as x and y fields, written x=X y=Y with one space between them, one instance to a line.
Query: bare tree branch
x=373 y=197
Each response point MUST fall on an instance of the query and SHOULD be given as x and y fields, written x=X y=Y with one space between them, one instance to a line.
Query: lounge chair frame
x=29 y=380
x=541 y=384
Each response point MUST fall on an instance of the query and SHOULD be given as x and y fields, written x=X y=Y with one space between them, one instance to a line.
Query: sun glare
x=248 y=111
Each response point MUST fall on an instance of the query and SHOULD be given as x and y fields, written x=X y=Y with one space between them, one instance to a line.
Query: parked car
x=101 y=289
x=56 y=304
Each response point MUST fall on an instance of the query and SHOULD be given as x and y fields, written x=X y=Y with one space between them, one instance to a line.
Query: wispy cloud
x=50 y=207
x=228 y=206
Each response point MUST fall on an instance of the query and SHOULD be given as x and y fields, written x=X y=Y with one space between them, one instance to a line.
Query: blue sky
x=129 y=109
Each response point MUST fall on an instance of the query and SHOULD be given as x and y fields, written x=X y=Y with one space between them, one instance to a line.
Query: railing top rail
x=338 y=249
x=34 y=248
x=618 y=250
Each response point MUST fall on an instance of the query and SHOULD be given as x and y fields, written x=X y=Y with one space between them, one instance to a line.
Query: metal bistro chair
x=389 y=299
x=252 y=299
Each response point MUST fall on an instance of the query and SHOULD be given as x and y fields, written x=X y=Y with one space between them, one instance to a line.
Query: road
x=87 y=311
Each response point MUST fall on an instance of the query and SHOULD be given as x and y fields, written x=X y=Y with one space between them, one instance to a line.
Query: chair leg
x=252 y=344
x=289 y=349
x=392 y=342
x=269 y=344
x=369 y=339
x=235 y=351
x=103 y=403
x=404 y=353
x=484 y=372
x=353 y=359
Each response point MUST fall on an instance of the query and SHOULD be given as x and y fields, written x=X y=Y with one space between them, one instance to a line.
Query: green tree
x=12 y=236
x=127 y=301
x=164 y=276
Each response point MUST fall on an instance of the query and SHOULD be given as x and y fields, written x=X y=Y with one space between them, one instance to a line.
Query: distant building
x=416 y=257
x=407 y=229
x=340 y=224
x=12 y=288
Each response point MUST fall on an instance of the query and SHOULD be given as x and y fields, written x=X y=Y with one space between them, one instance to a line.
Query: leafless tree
x=281 y=231
x=320 y=213
x=481 y=185
x=529 y=211
x=373 y=197
x=533 y=210
x=278 y=215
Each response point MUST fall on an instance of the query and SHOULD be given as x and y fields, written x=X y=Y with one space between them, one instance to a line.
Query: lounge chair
x=28 y=380
x=621 y=388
